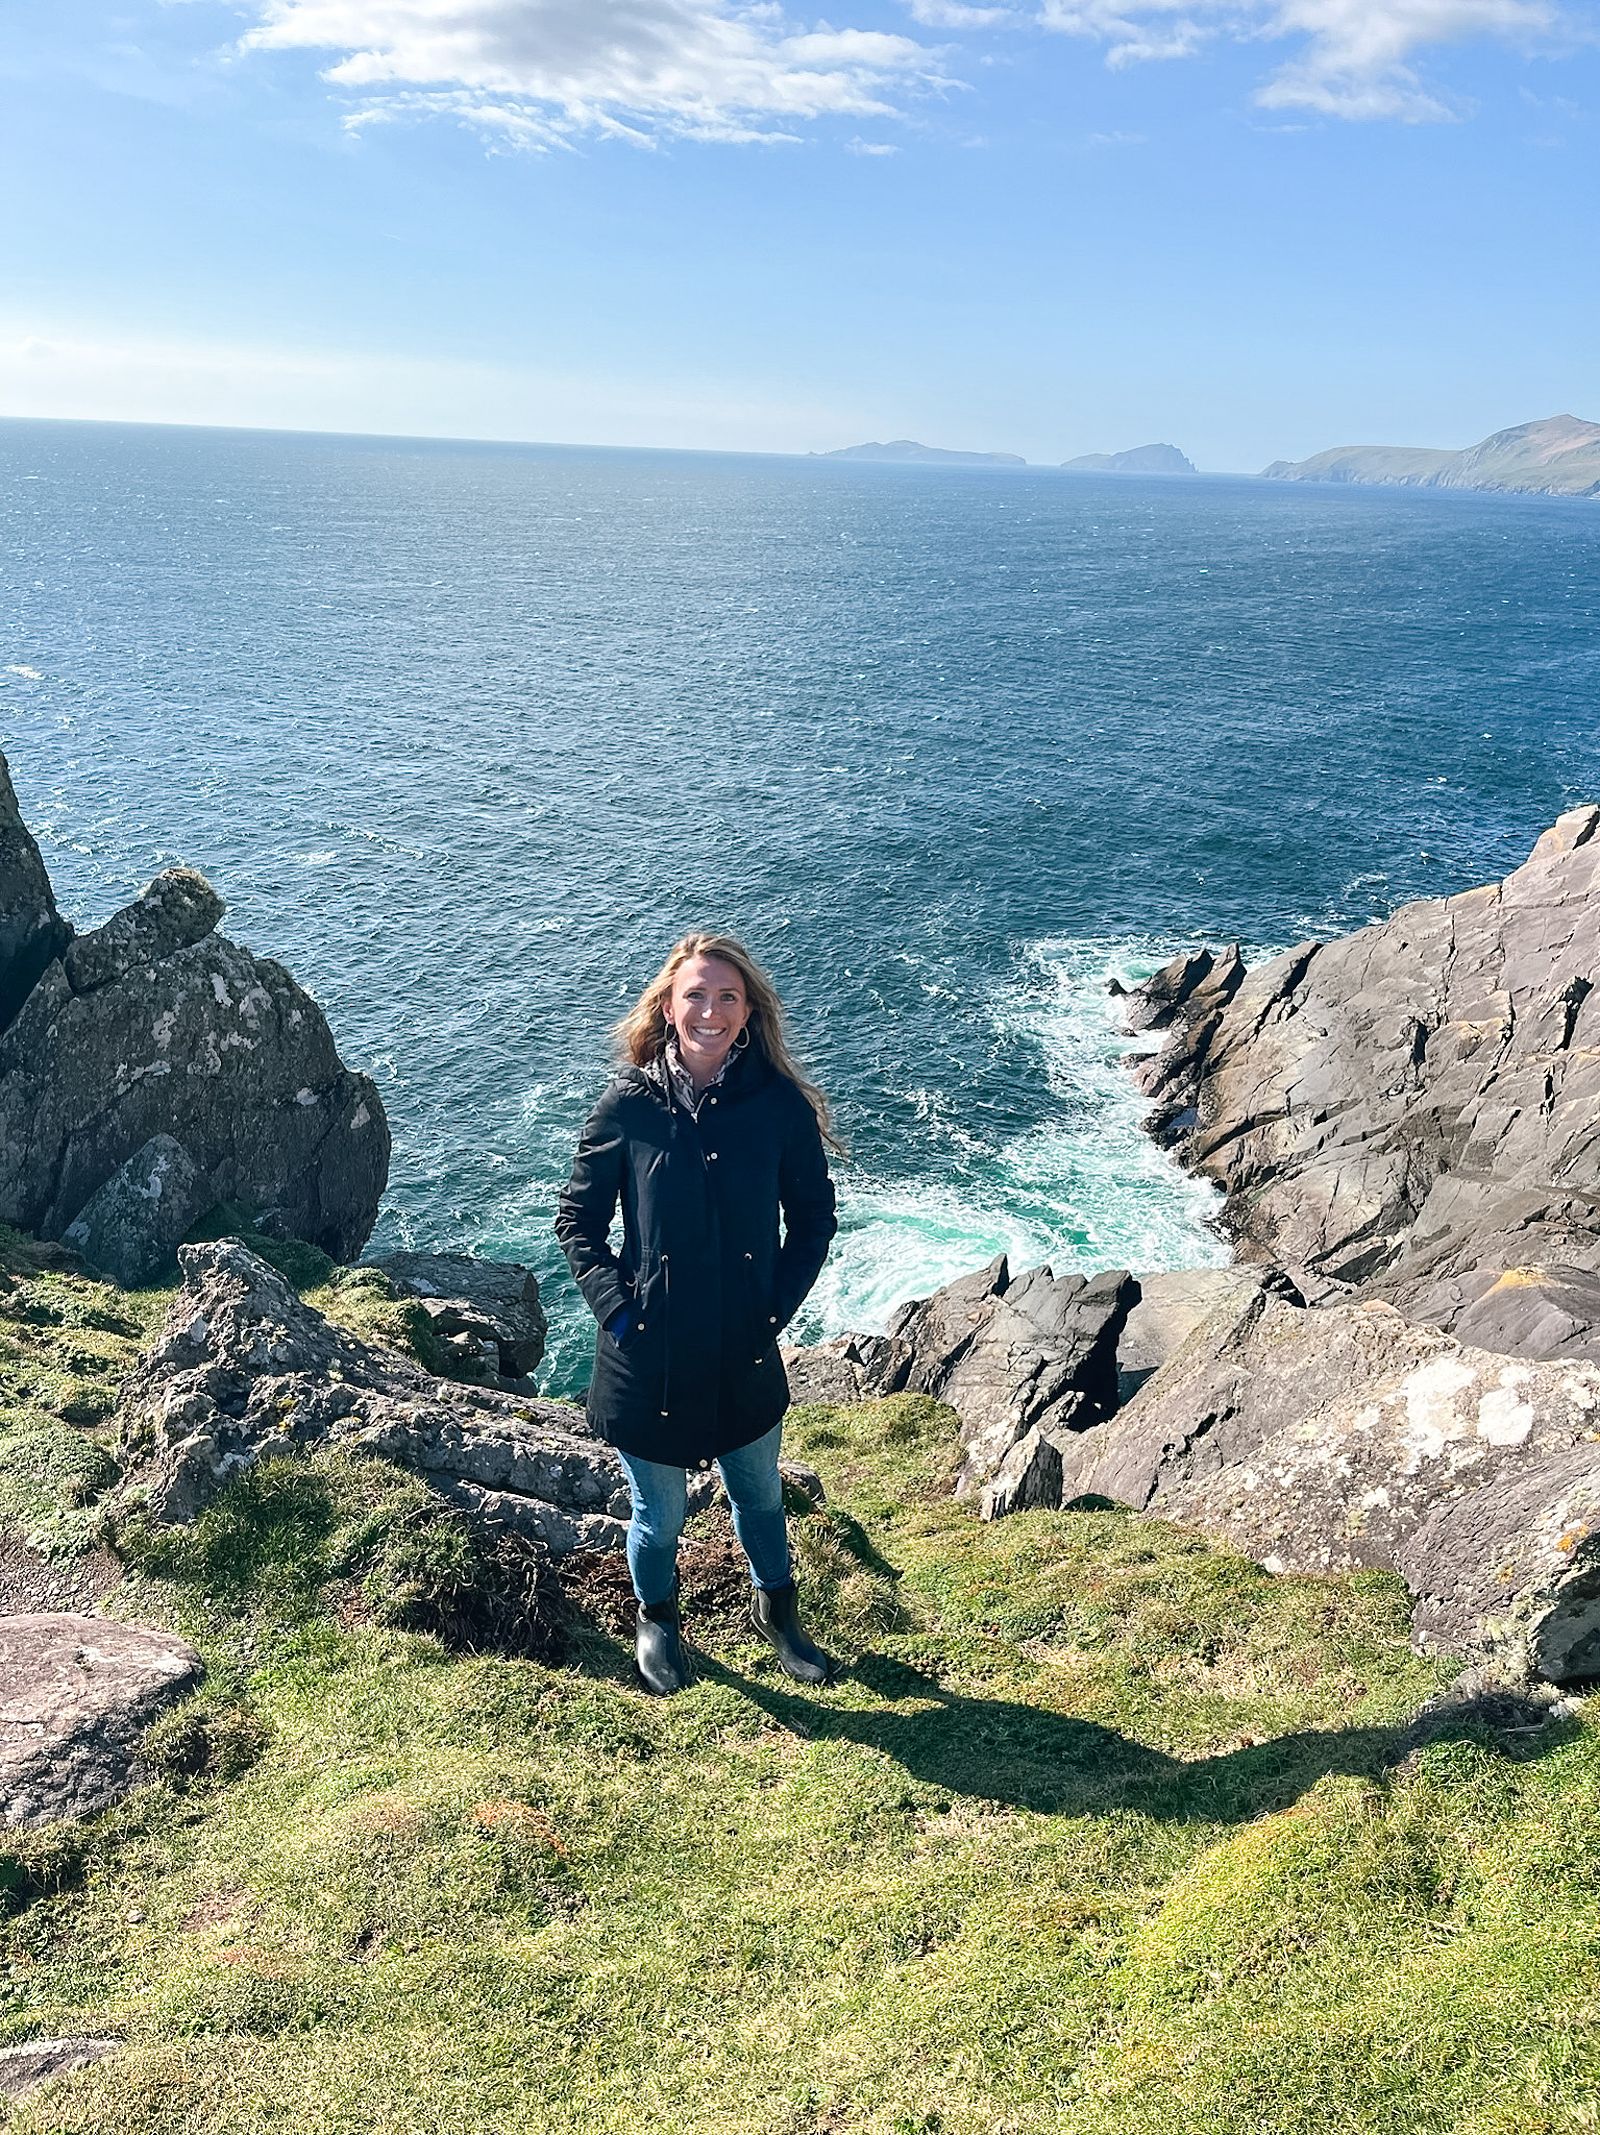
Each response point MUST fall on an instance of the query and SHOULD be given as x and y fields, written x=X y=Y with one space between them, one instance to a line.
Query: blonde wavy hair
x=641 y=1036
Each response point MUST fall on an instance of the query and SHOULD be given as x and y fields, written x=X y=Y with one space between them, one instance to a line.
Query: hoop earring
x=742 y=1041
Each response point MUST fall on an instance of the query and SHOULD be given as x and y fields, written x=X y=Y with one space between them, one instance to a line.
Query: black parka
x=701 y=1257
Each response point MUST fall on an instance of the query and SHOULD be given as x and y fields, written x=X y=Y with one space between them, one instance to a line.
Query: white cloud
x=539 y=74
x=544 y=74
x=1355 y=57
x=956 y=14
x=858 y=147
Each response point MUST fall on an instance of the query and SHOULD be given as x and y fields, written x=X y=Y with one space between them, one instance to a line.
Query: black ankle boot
x=658 y=1647
x=777 y=1617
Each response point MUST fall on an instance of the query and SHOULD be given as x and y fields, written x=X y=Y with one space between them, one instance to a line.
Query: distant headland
x=1558 y=456
x=1140 y=459
x=903 y=449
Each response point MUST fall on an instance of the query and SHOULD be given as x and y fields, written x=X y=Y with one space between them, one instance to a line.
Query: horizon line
x=1011 y=464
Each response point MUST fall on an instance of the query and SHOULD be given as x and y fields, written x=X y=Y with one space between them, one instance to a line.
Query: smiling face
x=708 y=1007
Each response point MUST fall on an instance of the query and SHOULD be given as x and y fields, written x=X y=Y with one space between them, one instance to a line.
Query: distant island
x=905 y=449
x=1140 y=459
x=1559 y=456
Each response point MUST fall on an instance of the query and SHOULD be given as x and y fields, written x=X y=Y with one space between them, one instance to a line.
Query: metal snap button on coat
x=711 y=1156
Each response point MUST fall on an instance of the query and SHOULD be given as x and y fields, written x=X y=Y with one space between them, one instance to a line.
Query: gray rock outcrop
x=1171 y=1305
x=155 y=1026
x=485 y=1314
x=24 y=2068
x=1345 y=1436
x=243 y=1368
x=1193 y=985
x=32 y=931
x=1024 y=1361
x=76 y=1695
x=130 y=1227
x=1412 y=1112
x=176 y=910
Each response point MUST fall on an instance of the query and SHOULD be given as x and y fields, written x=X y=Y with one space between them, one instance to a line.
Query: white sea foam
x=28 y=674
x=1084 y=1189
x=902 y=1240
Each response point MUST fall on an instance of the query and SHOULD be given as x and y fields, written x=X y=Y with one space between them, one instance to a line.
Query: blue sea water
x=467 y=734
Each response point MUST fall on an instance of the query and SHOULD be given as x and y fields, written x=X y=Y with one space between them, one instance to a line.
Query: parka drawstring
x=666 y=1314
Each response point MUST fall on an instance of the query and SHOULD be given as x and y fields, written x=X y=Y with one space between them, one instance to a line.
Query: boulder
x=76 y=1695
x=1408 y=1112
x=243 y=1367
x=1344 y=1436
x=1013 y=1356
x=24 y=2068
x=32 y=932
x=1027 y=1478
x=485 y=1313
x=802 y=1485
x=173 y=912
x=833 y=1373
x=130 y=1227
x=155 y=1025
x=1172 y=1303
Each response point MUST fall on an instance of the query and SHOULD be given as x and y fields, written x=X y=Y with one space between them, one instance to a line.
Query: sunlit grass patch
x=1101 y=1829
x=67 y=1340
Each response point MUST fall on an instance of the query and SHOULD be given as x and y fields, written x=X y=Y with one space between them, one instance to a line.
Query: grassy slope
x=1103 y=1833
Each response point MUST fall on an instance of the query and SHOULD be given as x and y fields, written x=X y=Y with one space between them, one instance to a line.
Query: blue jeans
x=660 y=1493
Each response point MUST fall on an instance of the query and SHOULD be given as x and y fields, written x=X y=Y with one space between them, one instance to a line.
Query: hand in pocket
x=624 y=1326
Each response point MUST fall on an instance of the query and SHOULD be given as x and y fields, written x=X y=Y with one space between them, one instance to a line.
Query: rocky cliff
x=1403 y=1369
x=1557 y=456
x=1410 y=1112
x=1404 y=1124
x=151 y=1069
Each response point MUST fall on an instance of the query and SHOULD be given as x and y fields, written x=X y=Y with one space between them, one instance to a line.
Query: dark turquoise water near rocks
x=466 y=734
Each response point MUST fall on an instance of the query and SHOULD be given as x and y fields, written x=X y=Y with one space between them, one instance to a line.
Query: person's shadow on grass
x=1027 y=1757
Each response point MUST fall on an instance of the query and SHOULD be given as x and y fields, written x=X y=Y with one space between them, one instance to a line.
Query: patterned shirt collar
x=680 y=1083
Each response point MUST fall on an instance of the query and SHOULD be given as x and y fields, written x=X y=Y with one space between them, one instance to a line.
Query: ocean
x=467 y=734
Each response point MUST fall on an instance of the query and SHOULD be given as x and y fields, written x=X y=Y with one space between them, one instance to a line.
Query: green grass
x=66 y=1341
x=1105 y=1831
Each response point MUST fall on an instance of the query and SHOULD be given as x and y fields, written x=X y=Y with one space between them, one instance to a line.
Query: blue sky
x=1253 y=228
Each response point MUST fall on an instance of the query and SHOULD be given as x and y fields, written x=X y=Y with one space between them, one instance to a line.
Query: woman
x=708 y=1131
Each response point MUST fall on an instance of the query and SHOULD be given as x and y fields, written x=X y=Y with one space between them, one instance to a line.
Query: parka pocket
x=757 y=1318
